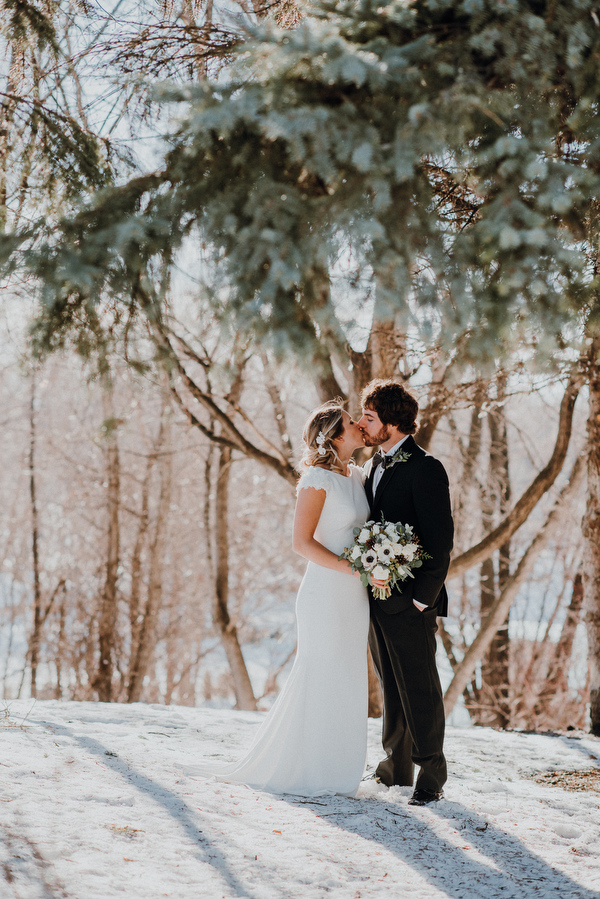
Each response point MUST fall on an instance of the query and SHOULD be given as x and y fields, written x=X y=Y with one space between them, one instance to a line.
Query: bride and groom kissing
x=314 y=739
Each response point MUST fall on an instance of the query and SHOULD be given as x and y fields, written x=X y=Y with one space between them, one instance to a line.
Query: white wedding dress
x=314 y=739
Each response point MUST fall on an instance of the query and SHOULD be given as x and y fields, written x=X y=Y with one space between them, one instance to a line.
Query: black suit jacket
x=416 y=492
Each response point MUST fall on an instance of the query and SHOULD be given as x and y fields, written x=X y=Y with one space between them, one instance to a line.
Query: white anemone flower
x=385 y=552
x=369 y=559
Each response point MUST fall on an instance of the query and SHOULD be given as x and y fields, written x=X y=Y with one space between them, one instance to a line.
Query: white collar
x=396 y=446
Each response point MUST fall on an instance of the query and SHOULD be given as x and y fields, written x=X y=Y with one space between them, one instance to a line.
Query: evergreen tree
x=454 y=144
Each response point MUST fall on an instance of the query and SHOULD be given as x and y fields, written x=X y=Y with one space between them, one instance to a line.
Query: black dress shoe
x=424 y=797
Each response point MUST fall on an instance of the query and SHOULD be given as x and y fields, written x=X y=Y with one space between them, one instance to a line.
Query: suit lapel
x=369 y=483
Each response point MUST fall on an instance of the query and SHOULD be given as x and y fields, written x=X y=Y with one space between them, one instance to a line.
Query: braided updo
x=326 y=423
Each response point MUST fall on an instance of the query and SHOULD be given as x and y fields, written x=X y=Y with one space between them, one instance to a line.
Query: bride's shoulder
x=358 y=472
x=315 y=476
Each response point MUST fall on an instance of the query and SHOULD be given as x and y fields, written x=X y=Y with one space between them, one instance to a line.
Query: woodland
x=213 y=217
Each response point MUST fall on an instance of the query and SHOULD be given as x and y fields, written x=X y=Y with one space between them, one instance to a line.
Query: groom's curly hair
x=393 y=404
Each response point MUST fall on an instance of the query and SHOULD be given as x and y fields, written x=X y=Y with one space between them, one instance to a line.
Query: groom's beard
x=379 y=438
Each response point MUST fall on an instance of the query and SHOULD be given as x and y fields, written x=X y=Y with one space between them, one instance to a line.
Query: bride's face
x=351 y=438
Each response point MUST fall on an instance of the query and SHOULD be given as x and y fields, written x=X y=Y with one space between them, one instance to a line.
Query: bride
x=314 y=739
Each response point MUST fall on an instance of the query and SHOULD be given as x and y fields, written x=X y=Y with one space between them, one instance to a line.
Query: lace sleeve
x=314 y=477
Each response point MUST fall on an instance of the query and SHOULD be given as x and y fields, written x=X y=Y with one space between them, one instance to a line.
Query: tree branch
x=538 y=488
x=232 y=436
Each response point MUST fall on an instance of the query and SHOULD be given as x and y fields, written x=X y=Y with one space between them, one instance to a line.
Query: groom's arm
x=435 y=529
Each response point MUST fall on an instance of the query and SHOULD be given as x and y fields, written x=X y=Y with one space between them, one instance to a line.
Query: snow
x=95 y=803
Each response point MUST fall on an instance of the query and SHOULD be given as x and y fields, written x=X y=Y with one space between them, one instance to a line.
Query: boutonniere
x=399 y=456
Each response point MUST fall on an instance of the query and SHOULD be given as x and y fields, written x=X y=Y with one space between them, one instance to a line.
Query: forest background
x=200 y=243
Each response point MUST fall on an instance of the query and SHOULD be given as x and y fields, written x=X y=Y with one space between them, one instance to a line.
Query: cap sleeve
x=359 y=472
x=314 y=477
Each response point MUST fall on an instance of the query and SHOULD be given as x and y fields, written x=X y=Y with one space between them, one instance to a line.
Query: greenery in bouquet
x=384 y=551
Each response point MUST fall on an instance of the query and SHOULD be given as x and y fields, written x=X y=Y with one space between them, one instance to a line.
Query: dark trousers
x=403 y=648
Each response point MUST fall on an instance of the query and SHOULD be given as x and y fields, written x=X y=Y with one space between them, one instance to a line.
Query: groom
x=407 y=485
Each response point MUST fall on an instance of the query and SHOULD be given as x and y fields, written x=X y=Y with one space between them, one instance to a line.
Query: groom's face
x=374 y=431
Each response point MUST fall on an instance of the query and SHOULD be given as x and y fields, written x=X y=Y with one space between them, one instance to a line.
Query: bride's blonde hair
x=325 y=424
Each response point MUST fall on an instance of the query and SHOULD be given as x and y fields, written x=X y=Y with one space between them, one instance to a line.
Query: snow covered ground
x=94 y=804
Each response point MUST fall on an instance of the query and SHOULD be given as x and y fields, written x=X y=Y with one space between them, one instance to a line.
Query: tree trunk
x=275 y=395
x=108 y=610
x=494 y=670
x=556 y=685
x=60 y=647
x=387 y=348
x=437 y=401
x=591 y=534
x=34 y=645
x=147 y=630
x=7 y=110
x=136 y=617
x=468 y=483
x=328 y=386
x=219 y=562
x=228 y=631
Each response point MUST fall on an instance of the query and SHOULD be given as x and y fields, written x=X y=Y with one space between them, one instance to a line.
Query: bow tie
x=380 y=458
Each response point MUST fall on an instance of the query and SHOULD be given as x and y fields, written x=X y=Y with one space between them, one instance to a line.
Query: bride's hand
x=375 y=582
x=379 y=584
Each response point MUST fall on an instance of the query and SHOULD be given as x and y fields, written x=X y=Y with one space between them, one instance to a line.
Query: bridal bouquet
x=384 y=552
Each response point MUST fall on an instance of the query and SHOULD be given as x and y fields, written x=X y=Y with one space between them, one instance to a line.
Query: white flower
x=376 y=528
x=369 y=559
x=355 y=552
x=364 y=535
x=320 y=441
x=391 y=530
x=380 y=573
x=409 y=551
x=385 y=552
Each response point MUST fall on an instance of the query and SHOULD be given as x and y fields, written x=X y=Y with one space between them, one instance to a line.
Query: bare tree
x=146 y=621
x=107 y=636
x=591 y=531
x=498 y=611
x=34 y=645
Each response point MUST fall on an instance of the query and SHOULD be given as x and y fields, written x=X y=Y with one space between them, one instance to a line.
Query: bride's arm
x=308 y=511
